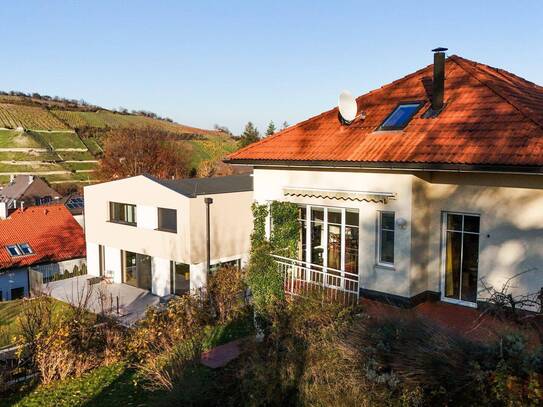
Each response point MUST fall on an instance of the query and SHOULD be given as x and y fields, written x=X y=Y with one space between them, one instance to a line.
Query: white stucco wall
x=93 y=259
x=161 y=276
x=113 y=264
x=269 y=184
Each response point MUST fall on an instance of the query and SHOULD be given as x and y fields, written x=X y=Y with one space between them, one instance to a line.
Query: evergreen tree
x=271 y=129
x=285 y=125
x=249 y=135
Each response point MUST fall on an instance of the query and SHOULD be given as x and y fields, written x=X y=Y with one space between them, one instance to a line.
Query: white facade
x=509 y=239
x=109 y=241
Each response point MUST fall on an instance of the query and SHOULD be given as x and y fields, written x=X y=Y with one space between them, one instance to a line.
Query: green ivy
x=263 y=277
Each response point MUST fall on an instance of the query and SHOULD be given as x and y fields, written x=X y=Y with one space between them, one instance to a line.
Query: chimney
x=11 y=178
x=30 y=179
x=438 y=82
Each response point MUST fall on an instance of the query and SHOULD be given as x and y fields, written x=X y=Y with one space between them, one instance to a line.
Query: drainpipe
x=208 y=202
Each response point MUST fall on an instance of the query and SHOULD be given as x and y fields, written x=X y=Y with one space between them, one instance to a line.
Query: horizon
x=251 y=62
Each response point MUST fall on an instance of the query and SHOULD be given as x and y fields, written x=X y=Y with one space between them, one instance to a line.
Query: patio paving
x=103 y=297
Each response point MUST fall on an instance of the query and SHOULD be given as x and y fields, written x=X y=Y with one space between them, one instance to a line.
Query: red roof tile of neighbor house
x=51 y=231
x=491 y=118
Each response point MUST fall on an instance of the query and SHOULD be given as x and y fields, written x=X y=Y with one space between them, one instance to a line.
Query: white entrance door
x=460 y=258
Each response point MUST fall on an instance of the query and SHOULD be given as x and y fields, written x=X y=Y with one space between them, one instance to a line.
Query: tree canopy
x=249 y=135
x=130 y=152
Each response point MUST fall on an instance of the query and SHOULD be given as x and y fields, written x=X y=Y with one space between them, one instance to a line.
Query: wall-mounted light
x=401 y=223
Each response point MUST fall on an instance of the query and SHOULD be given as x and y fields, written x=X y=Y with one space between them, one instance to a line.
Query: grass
x=30 y=167
x=79 y=166
x=108 y=385
x=76 y=155
x=30 y=156
x=93 y=145
x=16 y=139
x=9 y=311
x=62 y=139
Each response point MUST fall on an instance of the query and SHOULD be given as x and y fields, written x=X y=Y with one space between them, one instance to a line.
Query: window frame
x=121 y=222
x=19 y=249
x=392 y=128
x=16 y=247
x=379 y=239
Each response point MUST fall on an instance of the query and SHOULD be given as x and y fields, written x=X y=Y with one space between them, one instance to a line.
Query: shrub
x=226 y=290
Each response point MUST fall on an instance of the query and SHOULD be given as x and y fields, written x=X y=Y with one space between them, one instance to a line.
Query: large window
x=461 y=256
x=180 y=278
x=122 y=213
x=385 y=246
x=167 y=220
x=329 y=238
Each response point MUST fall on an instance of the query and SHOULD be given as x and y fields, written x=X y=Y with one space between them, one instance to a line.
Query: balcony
x=302 y=278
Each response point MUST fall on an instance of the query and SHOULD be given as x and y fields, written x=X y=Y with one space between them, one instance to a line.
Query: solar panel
x=75 y=203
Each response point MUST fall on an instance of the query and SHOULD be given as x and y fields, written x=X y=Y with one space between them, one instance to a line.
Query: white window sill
x=389 y=267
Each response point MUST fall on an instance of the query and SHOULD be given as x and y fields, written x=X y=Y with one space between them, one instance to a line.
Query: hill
x=61 y=139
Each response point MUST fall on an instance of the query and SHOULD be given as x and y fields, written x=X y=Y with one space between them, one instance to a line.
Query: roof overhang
x=339 y=195
x=393 y=166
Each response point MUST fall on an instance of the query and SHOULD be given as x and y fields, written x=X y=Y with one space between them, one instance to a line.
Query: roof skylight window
x=21 y=249
x=401 y=116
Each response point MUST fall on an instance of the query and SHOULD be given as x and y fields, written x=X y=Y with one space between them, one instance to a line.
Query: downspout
x=208 y=202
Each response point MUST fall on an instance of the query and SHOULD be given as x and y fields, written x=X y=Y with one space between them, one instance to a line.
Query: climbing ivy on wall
x=263 y=278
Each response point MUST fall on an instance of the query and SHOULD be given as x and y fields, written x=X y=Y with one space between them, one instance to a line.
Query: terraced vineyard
x=47 y=137
x=29 y=117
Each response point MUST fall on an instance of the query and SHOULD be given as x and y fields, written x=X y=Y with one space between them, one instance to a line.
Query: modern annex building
x=152 y=234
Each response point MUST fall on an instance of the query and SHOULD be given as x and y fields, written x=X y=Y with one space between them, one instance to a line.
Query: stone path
x=221 y=355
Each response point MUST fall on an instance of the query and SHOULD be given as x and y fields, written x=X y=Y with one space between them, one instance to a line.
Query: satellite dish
x=347 y=107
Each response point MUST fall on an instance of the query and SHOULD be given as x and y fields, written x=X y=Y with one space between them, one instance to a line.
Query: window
x=461 y=257
x=401 y=116
x=21 y=249
x=13 y=250
x=386 y=238
x=17 y=293
x=122 y=213
x=329 y=239
x=25 y=248
x=167 y=220
x=179 y=278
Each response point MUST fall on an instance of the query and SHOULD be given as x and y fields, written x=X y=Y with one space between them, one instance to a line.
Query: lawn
x=9 y=311
x=35 y=167
x=76 y=155
x=16 y=139
x=61 y=139
x=28 y=156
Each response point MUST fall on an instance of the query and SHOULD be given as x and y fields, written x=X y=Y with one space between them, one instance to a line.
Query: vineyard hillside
x=62 y=140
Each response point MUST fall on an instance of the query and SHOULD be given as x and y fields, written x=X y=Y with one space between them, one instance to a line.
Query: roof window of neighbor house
x=20 y=249
x=400 y=116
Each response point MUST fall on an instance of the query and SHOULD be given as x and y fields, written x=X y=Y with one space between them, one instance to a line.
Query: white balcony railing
x=300 y=277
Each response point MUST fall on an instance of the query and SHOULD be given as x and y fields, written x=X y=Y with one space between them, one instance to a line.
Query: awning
x=340 y=195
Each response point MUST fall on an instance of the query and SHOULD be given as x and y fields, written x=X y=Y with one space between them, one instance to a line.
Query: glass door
x=461 y=260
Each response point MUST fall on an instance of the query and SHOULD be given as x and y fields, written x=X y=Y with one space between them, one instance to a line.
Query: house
x=24 y=191
x=152 y=233
x=40 y=239
x=434 y=190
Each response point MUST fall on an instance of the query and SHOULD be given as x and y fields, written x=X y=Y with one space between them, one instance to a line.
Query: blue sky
x=207 y=62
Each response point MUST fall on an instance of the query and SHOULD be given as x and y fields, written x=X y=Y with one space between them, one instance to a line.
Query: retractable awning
x=340 y=195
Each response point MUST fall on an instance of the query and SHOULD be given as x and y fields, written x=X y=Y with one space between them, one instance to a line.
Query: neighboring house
x=45 y=239
x=27 y=190
x=421 y=196
x=151 y=233
x=75 y=203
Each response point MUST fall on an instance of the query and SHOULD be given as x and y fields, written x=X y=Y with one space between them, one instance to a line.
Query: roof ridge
x=294 y=126
x=465 y=64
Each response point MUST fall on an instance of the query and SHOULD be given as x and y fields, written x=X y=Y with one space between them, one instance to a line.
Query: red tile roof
x=491 y=118
x=51 y=231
